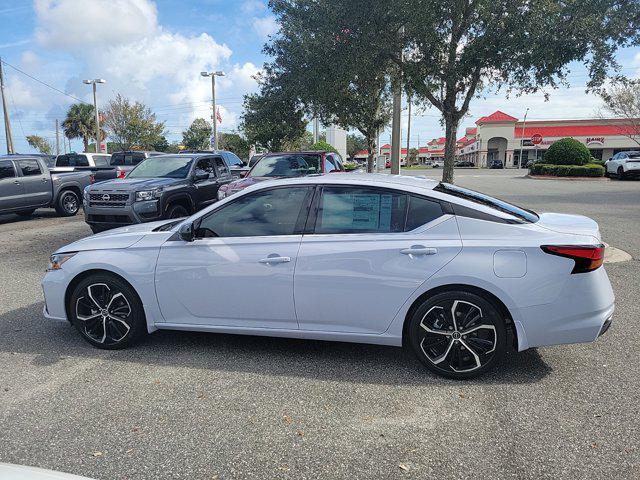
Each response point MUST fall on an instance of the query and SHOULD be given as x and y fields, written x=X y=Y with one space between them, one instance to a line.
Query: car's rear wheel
x=107 y=312
x=177 y=211
x=67 y=204
x=457 y=334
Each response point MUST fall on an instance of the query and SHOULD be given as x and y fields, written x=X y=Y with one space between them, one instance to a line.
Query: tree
x=80 y=122
x=326 y=54
x=412 y=157
x=349 y=52
x=133 y=125
x=622 y=100
x=198 y=135
x=323 y=146
x=355 y=143
x=40 y=143
x=272 y=117
x=235 y=143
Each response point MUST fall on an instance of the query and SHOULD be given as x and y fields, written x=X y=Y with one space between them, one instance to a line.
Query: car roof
x=303 y=152
x=403 y=182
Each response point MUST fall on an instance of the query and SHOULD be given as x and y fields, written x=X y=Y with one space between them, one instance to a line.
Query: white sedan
x=453 y=274
x=623 y=165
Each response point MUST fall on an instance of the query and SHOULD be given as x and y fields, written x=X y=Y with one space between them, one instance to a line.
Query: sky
x=154 y=51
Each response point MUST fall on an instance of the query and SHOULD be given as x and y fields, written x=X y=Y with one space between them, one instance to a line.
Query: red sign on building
x=536 y=139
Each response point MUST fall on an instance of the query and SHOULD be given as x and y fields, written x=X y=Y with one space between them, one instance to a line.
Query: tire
x=107 y=312
x=621 y=173
x=67 y=204
x=26 y=213
x=177 y=211
x=443 y=345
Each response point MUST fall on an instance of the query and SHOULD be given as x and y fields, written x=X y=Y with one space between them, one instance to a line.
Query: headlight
x=148 y=195
x=85 y=193
x=57 y=259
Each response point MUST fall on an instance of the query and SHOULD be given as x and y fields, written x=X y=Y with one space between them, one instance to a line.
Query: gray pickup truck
x=27 y=184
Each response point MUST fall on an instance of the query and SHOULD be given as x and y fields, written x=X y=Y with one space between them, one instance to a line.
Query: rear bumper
x=582 y=312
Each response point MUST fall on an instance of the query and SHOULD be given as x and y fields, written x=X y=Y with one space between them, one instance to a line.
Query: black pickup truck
x=27 y=184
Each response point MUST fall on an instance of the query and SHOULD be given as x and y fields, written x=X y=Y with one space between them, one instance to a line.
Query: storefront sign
x=595 y=140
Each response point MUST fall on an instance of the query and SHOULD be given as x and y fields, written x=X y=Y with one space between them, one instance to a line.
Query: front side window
x=289 y=165
x=329 y=166
x=6 y=169
x=163 y=167
x=206 y=165
x=360 y=210
x=264 y=213
x=29 y=167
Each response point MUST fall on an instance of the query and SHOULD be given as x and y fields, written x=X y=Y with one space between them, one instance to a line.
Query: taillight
x=586 y=257
x=122 y=174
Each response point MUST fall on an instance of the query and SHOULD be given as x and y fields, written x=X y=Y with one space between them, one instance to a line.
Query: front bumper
x=54 y=287
x=137 y=212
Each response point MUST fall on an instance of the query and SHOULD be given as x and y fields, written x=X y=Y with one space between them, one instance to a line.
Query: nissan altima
x=455 y=275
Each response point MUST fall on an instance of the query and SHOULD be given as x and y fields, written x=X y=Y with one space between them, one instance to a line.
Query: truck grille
x=108 y=199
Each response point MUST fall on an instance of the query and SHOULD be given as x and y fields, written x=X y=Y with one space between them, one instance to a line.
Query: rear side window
x=232 y=159
x=421 y=211
x=360 y=210
x=29 y=167
x=480 y=198
x=72 y=160
x=6 y=169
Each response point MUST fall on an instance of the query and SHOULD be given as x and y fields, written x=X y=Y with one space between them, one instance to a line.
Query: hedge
x=350 y=166
x=567 y=151
x=589 y=170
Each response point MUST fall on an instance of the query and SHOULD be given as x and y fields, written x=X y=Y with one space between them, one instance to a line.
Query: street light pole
x=95 y=107
x=213 y=75
x=522 y=138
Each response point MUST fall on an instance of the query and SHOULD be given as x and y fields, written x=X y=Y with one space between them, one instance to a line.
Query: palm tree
x=80 y=123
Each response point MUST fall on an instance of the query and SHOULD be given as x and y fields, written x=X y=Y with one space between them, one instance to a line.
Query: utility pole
x=7 y=122
x=95 y=107
x=521 y=139
x=408 y=129
x=57 y=139
x=213 y=75
x=396 y=118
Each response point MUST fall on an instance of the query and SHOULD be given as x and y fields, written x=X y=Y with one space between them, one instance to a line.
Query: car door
x=238 y=272
x=206 y=190
x=370 y=249
x=36 y=182
x=11 y=189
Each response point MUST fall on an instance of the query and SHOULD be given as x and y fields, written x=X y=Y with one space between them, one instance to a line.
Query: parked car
x=237 y=167
x=623 y=165
x=464 y=163
x=27 y=184
x=164 y=186
x=285 y=165
x=496 y=164
x=125 y=161
x=397 y=245
x=96 y=163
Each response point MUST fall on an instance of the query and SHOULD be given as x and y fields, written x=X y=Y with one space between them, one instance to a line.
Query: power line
x=43 y=83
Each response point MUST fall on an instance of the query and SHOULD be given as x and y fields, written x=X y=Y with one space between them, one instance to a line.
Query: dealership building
x=500 y=136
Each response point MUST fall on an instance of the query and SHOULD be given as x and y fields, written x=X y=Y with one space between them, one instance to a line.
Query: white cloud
x=82 y=24
x=30 y=60
x=265 y=26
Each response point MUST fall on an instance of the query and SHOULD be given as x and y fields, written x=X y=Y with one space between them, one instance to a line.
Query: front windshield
x=291 y=165
x=163 y=167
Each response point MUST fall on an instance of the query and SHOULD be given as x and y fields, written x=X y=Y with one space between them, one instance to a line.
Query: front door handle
x=417 y=250
x=275 y=259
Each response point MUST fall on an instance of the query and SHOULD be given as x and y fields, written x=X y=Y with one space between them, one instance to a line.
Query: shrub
x=595 y=161
x=323 y=146
x=350 y=166
x=589 y=170
x=567 y=151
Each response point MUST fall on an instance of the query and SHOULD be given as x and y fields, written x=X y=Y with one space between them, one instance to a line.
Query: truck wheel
x=67 y=204
x=26 y=213
x=177 y=211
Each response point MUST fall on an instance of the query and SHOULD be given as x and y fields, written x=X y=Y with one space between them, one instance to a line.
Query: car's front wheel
x=457 y=334
x=621 y=173
x=107 y=312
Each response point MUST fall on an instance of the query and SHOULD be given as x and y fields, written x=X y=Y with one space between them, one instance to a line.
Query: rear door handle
x=274 y=260
x=418 y=250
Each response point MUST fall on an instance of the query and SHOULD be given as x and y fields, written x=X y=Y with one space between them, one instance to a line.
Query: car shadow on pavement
x=25 y=330
x=38 y=214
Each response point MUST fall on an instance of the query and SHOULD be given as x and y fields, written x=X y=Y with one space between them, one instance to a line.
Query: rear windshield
x=122 y=159
x=482 y=199
x=163 y=167
x=72 y=160
x=290 y=165
x=633 y=154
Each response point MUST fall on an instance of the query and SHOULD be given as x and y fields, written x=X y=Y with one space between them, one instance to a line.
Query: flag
x=218 y=116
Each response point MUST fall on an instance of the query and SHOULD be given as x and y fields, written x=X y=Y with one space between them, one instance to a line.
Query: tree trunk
x=85 y=140
x=451 y=132
x=371 y=153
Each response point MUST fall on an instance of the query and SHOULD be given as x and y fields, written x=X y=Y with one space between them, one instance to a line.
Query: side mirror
x=200 y=175
x=610 y=158
x=186 y=232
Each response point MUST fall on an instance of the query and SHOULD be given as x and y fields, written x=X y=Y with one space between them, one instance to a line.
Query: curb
x=551 y=177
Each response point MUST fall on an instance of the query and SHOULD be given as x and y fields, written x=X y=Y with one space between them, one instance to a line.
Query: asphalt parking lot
x=205 y=406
